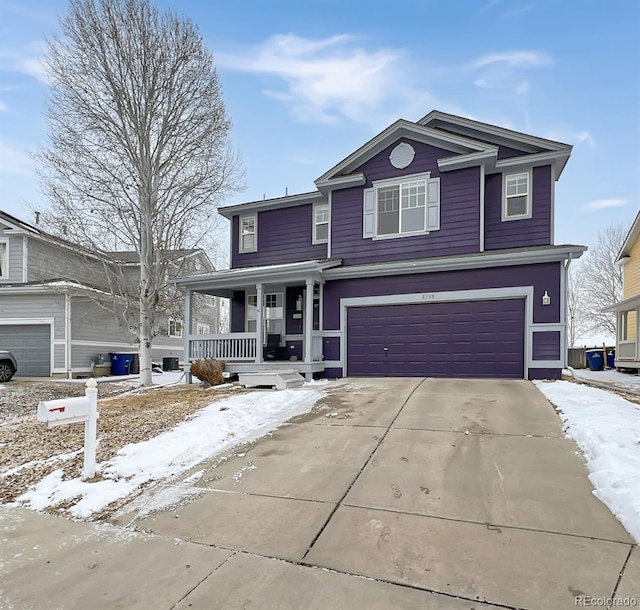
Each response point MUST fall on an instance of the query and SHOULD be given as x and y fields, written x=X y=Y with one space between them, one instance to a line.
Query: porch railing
x=316 y=346
x=626 y=349
x=229 y=347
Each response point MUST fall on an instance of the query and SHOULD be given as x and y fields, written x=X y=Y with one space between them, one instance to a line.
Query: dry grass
x=132 y=418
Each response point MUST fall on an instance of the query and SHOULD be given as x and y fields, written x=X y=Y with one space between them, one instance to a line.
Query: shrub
x=208 y=371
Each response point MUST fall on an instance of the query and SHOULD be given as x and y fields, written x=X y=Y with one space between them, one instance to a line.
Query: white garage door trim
x=512 y=292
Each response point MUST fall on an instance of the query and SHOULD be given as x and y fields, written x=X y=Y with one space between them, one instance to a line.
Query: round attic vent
x=402 y=155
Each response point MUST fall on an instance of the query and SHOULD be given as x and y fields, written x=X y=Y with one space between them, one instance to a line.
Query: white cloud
x=513 y=59
x=333 y=78
x=602 y=204
x=504 y=71
x=14 y=161
x=29 y=60
x=576 y=138
x=3 y=107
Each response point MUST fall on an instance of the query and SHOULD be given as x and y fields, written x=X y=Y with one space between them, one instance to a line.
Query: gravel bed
x=20 y=398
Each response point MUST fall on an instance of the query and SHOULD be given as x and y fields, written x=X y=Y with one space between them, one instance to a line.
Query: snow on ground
x=625 y=381
x=216 y=428
x=606 y=427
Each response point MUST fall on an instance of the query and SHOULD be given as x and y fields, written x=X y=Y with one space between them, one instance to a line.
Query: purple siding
x=459 y=213
x=462 y=339
x=284 y=236
x=237 y=311
x=546 y=345
x=543 y=276
x=534 y=231
x=545 y=373
x=331 y=348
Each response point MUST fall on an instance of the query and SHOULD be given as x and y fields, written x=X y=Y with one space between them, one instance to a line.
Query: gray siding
x=284 y=236
x=459 y=212
x=91 y=323
x=29 y=306
x=14 y=244
x=534 y=231
x=47 y=261
x=58 y=356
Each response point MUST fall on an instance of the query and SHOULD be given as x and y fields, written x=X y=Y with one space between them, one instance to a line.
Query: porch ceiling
x=223 y=283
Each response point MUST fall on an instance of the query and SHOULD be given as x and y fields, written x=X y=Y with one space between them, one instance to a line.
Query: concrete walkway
x=444 y=493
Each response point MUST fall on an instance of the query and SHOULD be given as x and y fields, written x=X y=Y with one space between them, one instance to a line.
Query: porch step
x=280 y=379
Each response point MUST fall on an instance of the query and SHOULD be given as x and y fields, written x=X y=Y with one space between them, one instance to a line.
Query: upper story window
x=248 y=234
x=517 y=198
x=320 y=223
x=202 y=329
x=4 y=259
x=175 y=328
x=402 y=207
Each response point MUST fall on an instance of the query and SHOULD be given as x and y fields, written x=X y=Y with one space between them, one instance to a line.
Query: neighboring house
x=429 y=251
x=628 y=310
x=54 y=298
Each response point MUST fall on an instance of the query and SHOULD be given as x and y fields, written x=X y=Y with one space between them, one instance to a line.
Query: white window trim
x=176 y=334
x=202 y=328
x=399 y=181
x=315 y=239
x=529 y=175
x=5 y=276
x=242 y=250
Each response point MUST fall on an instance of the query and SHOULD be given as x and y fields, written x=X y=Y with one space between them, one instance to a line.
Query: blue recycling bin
x=595 y=359
x=121 y=363
x=611 y=359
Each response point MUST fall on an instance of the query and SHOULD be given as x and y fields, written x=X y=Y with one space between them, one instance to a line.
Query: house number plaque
x=428 y=296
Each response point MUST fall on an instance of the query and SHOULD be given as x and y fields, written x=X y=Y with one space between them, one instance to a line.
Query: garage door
x=31 y=347
x=465 y=339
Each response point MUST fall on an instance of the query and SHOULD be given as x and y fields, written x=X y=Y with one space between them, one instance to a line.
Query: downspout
x=67 y=334
x=563 y=309
x=329 y=228
x=481 y=208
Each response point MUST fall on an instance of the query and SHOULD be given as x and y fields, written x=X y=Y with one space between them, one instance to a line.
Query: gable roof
x=403 y=128
x=630 y=239
x=490 y=133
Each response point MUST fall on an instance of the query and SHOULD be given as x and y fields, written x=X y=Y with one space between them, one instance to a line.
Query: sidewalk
x=607 y=379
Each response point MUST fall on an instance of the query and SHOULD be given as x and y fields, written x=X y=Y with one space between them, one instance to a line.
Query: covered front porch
x=274 y=317
x=627 y=332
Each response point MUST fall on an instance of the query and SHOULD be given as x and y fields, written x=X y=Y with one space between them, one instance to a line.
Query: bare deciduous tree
x=601 y=278
x=577 y=314
x=138 y=156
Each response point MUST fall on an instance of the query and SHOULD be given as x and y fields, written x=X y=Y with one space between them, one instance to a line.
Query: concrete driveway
x=442 y=493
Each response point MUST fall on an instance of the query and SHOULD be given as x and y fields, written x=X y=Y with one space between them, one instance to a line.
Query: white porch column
x=186 y=333
x=308 y=320
x=259 y=322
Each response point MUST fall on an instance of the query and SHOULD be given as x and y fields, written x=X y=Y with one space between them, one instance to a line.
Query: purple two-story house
x=429 y=251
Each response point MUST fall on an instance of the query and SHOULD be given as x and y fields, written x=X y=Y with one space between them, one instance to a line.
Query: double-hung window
x=517 y=198
x=320 y=223
x=248 y=234
x=175 y=328
x=4 y=260
x=407 y=206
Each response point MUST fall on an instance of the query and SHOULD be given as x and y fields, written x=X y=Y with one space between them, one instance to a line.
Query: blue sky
x=305 y=84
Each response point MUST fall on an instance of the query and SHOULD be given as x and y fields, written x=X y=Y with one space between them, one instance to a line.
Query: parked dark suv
x=8 y=365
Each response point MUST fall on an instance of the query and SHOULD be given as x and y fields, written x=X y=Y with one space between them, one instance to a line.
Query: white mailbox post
x=73 y=410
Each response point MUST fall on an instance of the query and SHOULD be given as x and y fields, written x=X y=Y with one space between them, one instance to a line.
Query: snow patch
x=606 y=427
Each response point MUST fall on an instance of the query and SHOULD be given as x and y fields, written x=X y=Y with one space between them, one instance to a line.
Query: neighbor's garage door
x=31 y=347
x=465 y=339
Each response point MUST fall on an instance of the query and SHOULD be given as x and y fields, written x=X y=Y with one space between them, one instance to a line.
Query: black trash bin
x=134 y=369
x=170 y=364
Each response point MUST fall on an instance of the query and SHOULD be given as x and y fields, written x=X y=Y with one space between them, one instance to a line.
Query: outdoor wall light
x=546 y=299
